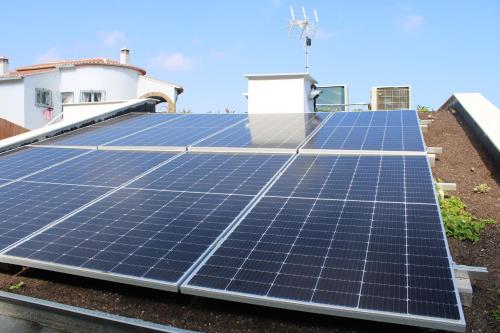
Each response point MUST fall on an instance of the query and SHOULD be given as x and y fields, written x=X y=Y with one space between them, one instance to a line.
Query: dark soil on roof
x=466 y=162
x=462 y=152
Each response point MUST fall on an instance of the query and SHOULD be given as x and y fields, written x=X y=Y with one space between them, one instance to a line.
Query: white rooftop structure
x=481 y=115
x=281 y=93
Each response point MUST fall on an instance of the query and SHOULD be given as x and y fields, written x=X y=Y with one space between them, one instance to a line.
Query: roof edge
x=80 y=62
x=281 y=76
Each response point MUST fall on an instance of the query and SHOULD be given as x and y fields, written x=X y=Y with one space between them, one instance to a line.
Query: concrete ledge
x=435 y=150
x=464 y=275
x=432 y=159
x=447 y=186
x=464 y=287
x=73 y=319
x=482 y=117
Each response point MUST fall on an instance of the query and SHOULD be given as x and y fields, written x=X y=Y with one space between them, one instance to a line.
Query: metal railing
x=343 y=107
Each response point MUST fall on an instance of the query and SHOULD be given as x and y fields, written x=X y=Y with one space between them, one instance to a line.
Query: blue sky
x=437 y=46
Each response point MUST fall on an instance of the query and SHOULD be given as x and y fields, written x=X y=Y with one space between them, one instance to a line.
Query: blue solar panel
x=214 y=173
x=138 y=120
x=381 y=130
x=102 y=168
x=155 y=235
x=110 y=130
x=267 y=131
x=376 y=256
x=345 y=232
x=354 y=235
x=22 y=162
x=157 y=232
x=28 y=207
x=369 y=178
x=181 y=133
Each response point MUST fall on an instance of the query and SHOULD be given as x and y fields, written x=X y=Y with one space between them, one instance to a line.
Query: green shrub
x=496 y=313
x=481 y=188
x=458 y=222
x=422 y=108
x=17 y=285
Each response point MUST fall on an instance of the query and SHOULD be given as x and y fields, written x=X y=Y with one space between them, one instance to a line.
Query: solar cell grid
x=154 y=235
x=342 y=253
x=207 y=120
x=183 y=132
x=102 y=168
x=89 y=136
x=386 y=131
x=111 y=130
x=267 y=131
x=138 y=120
x=27 y=207
x=214 y=173
x=338 y=234
x=22 y=162
x=151 y=234
x=359 y=232
x=366 y=178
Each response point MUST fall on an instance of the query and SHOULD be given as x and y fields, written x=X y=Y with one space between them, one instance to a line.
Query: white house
x=33 y=96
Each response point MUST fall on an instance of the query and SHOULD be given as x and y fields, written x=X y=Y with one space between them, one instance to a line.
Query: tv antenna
x=306 y=30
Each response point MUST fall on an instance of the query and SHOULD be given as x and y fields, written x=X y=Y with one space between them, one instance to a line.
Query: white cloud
x=197 y=40
x=175 y=62
x=413 y=22
x=51 y=54
x=110 y=38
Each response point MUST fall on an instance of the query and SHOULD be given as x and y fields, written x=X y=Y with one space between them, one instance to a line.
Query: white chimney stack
x=125 y=56
x=4 y=66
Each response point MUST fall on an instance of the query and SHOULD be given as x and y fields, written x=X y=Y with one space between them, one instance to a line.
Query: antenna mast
x=306 y=31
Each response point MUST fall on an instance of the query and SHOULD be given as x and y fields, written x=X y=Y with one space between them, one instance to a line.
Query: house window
x=92 y=96
x=43 y=97
x=67 y=97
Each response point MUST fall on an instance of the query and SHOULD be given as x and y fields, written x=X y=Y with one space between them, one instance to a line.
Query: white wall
x=147 y=85
x=12 y=101
x=118 y=83
x=33 y=115
x=280 y=95
x=18 y=97
x=77 y=112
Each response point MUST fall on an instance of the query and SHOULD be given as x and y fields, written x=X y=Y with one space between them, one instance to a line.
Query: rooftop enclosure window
x=92 y=96
x=393 y=98
x=67 y=97
x=43 y=97
x=332 y=98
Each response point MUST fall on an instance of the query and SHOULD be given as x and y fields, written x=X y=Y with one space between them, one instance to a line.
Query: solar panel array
x=331 y=231
x=111 y=130
x=382 y=130
x=266 y=131
x=329 y=213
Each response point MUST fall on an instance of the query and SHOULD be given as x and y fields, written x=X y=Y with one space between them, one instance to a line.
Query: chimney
x=125 y=56
x=4 y=66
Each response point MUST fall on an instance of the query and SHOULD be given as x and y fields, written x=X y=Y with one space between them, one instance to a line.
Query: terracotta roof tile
x=33 y=69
